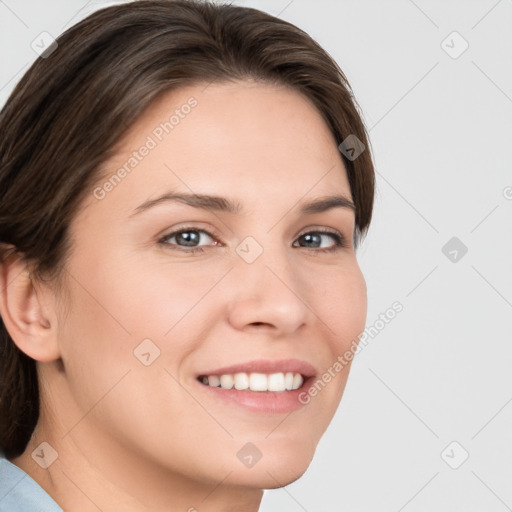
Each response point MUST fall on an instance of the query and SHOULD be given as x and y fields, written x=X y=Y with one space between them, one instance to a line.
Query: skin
x=136 y=437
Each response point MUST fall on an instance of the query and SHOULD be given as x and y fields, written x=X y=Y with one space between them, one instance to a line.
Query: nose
x=269 y=293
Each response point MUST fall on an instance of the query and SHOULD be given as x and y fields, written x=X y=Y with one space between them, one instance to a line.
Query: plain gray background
x=433 y=387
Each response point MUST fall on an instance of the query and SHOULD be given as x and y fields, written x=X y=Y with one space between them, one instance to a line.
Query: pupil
x=188 y=238
x=310 y=238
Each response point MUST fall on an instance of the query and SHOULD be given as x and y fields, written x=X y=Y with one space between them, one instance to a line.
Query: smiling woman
x=157 y=333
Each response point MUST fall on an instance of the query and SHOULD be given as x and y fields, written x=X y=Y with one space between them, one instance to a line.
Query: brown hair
x=74 y=104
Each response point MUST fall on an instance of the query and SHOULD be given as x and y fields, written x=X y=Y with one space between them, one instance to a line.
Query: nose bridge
x=269 y=289
x=265 y=263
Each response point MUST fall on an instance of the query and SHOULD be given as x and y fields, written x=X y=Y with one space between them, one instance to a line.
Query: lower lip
x=269 y=402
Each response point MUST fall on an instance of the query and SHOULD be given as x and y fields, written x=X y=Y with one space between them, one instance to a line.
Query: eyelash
x=340 y=240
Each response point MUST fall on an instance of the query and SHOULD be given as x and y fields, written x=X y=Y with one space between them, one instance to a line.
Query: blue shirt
x=19 y=492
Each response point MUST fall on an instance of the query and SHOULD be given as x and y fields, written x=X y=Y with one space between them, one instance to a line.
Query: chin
x=272 y=479
x=278 y=470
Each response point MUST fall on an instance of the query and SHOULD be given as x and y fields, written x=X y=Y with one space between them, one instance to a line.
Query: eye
x=189 y=237
x=314 y=238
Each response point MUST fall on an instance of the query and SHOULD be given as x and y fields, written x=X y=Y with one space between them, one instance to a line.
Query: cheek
x=342 y=305
x=120 y=300
x=167 y=301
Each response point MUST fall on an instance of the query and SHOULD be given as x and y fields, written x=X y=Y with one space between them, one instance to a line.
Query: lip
x=265 y=366
x=261 y=402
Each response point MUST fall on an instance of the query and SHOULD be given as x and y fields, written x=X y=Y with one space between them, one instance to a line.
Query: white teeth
x=288 y=381
x=256 y=381
x=241 y=381
x=276 y=382
x=297 y=381
x=213 y=380
x=226 y=381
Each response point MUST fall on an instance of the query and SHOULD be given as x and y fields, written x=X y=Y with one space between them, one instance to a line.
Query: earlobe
x=28 y=320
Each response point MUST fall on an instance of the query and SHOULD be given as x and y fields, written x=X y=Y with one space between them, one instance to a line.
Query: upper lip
x=266 y=366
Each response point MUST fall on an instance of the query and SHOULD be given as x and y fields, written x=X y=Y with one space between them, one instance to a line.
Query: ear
x=25 y=313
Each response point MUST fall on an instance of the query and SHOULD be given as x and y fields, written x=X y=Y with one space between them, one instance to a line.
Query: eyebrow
x=223 y=204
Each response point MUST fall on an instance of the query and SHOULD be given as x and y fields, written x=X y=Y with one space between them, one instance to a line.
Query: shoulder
x=20 y=493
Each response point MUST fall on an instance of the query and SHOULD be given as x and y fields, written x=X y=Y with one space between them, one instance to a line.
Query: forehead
x=255 y=140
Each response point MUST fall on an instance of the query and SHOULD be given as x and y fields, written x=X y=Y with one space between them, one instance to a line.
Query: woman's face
x=152 y=311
